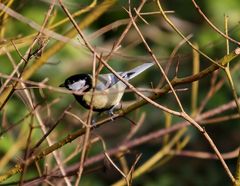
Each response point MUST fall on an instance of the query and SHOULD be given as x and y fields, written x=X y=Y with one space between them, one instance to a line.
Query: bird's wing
x=106 y=81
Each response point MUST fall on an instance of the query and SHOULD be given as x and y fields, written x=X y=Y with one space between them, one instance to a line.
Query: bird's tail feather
x=136 y=71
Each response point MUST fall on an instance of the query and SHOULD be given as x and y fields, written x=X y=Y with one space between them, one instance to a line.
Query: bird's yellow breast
x=105 y=98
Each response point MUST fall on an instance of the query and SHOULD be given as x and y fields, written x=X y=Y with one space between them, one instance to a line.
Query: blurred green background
x=70 y=60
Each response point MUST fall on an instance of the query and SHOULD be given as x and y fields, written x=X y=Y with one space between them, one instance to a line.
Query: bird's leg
x=93 y=123
x=94 y=119
x=110 y=112
x=115 y=107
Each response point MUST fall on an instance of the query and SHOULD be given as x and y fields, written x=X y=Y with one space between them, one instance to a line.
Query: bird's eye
x=70 y=81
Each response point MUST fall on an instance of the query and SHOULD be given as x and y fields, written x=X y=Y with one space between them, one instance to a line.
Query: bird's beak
x=62 y=85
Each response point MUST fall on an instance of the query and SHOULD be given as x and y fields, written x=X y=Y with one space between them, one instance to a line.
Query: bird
x=108 y=91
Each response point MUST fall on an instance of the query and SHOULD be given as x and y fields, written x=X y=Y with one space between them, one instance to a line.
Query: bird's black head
x=78 y=82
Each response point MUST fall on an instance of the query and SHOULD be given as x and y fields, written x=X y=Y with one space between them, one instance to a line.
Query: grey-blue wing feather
x=105 y=81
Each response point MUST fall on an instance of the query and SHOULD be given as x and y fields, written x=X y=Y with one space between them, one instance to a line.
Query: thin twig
x=212 y=25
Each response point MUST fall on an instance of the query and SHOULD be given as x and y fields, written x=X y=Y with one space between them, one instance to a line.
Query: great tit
x=108 y=89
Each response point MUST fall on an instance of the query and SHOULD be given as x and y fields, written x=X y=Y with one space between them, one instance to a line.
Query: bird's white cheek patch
x=77 y=85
